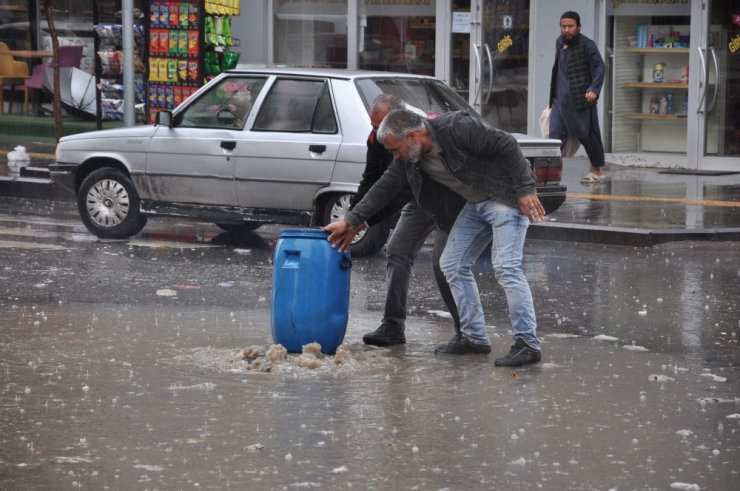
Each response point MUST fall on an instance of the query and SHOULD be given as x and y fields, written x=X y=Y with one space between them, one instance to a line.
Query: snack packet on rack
x=184 y=7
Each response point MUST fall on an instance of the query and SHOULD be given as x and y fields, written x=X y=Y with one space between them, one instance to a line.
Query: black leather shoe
x=460 y=345
x=520 y=354
x=385 y=336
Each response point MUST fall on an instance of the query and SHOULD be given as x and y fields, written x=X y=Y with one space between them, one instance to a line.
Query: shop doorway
x=714 y=128
x=490 y=59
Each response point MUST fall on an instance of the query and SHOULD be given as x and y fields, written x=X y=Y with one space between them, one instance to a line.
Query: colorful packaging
x=154 y=41
x=160 y=96
x=209 y=29
x=153 y=69
x=138 y=64
x=164 y=14
x=178 y=95
x=164 y=41
x=182 y=42
x=154 y=14
x=231 y=59
x=172 y=70
x=174 y=14
x=194 y=15
x=169 y=97
x=226 y=31
x=152 y=95
x=172 y=49
x=192 y=43
x=182 y=70
x=210 y=61
x=184 y=6
x=192 y=71
x=162 y=62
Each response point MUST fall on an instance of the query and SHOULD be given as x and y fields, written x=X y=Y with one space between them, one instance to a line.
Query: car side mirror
x=163 y=118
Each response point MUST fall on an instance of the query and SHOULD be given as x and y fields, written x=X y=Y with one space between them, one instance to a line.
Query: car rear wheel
x=239 y=228
x=366 y=243
x=109 y=204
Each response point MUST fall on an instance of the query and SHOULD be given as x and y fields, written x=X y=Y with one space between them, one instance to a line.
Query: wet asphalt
x=119 y=369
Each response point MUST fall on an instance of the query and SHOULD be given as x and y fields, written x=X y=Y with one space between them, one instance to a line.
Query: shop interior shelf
x=660 y=85
x=676 y=51
x=656 y=117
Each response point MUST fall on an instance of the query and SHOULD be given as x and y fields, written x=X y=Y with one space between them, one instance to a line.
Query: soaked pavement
x=119 y=369
x=631 y=206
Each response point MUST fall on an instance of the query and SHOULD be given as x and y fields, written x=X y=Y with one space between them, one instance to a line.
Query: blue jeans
x=412 y=229
x=477 y=225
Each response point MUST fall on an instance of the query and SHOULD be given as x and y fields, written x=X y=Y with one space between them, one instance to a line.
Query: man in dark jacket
x=408 y=236
x=577 y=76
x=457 y=157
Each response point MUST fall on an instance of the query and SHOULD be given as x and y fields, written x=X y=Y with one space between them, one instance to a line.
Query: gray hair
x=387 y=102
x=398 y=124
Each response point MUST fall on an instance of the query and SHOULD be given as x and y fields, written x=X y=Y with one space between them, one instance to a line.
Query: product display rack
x=659 y=87
x=109 y=60
x=184 y=48
x=650 y=80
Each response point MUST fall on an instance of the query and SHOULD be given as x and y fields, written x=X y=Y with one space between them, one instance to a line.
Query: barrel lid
x=306 y=233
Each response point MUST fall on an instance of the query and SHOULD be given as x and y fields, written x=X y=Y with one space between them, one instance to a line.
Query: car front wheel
x=366 y=243
x=109 y=204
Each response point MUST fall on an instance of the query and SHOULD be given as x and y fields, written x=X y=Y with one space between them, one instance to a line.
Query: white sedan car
x=255 y=146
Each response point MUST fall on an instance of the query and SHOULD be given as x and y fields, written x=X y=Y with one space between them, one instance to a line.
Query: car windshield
x=431 y=96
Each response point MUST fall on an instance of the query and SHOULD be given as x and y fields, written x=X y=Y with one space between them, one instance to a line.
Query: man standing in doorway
x=577 y=76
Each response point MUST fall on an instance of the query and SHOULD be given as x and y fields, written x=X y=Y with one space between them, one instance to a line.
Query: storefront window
x=397 y=36
x=310 y=33
x=14 y=24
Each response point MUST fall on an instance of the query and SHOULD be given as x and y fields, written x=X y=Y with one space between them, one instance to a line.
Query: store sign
x=508 y=22
x=461 y=22
x=648 y=7
x=505 y=44
x=736 y=20
x=734 y=44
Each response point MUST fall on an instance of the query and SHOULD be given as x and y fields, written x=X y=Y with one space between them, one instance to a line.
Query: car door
x=293 y=144
x=193 y=161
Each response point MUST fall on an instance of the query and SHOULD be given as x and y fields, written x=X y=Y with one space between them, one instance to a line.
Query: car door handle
x=228 y=145
x=317 y=148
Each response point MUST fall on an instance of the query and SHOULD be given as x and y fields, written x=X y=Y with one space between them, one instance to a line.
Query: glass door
x=716 y=58
x=490 y=59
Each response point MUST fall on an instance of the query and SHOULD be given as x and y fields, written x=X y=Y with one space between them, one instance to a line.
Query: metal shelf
x=655 y=117
x=659 y=85
x=673 y=51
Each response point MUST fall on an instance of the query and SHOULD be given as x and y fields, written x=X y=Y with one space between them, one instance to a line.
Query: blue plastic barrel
x=310 y=291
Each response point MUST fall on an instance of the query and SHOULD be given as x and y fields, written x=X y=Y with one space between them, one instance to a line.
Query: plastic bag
x=545 y=122
x=17 y=158
x=571 y=144
x=571 y=147
x=231 y=59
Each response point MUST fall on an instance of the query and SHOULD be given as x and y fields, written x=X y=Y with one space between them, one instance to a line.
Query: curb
x=33 y=188
x=569 y=232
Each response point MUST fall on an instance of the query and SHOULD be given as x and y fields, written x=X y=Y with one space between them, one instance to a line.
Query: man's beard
x=569 y=41
x=415 y=152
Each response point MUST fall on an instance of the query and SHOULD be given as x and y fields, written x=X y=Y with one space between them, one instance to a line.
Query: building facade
x=671 y=95
x=670 y=99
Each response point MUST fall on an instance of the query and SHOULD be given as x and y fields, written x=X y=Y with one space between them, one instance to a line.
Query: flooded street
x=120 y=369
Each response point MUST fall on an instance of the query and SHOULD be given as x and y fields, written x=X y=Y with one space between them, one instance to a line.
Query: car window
x=225 y=105
x=431 y=96
x=297 y=106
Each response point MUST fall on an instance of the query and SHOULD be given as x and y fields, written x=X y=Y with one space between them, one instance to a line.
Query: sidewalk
x=644 y=206
x=631 y=206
